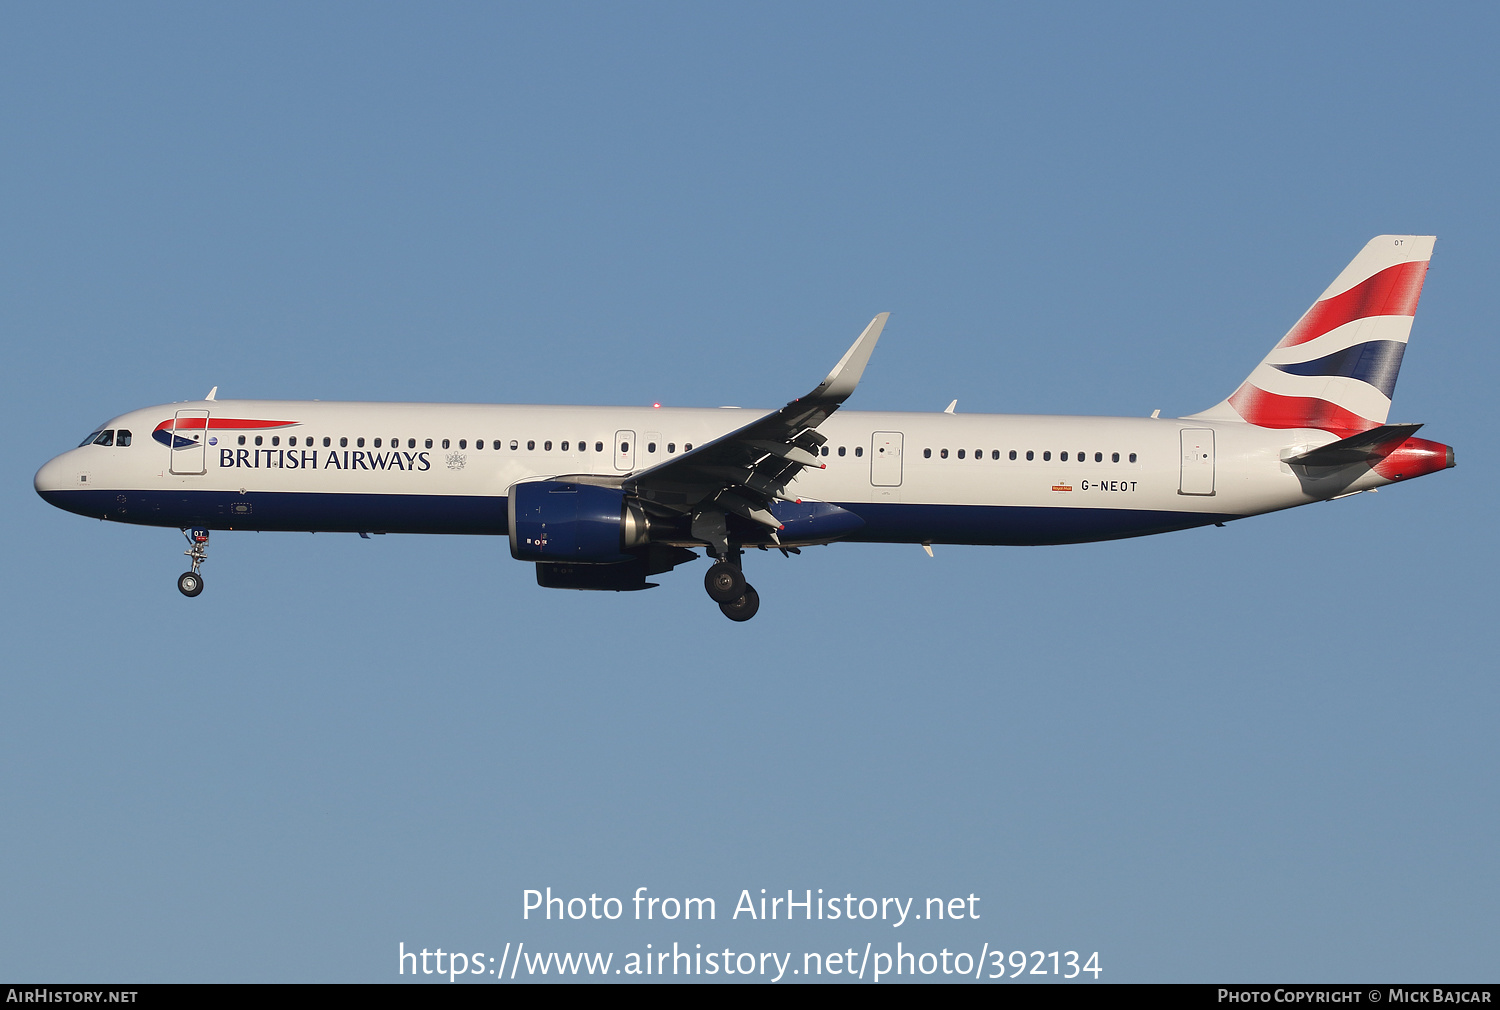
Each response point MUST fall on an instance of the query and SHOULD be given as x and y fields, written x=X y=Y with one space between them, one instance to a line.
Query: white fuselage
x=933 y=477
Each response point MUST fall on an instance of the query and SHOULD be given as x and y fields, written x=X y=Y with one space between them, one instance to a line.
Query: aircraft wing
x=744 y=471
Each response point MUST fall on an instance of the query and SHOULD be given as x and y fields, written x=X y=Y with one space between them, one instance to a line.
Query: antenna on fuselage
x=212 y=393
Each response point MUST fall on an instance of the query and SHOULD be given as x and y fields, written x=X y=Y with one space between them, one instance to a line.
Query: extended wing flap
x=746 y=469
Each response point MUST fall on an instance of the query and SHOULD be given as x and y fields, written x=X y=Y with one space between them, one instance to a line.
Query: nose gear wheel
x=191 y=583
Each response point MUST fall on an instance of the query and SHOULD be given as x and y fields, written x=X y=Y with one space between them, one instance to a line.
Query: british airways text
x=314 y=459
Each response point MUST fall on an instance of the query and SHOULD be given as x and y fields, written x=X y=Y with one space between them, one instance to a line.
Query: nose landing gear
x=191 y=583
x=726 y=586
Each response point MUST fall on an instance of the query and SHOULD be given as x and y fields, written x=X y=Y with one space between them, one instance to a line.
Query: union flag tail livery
x=604 y=498
x=1336 y=369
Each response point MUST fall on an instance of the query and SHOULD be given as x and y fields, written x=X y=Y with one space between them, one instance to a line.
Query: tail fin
x=1336 y=369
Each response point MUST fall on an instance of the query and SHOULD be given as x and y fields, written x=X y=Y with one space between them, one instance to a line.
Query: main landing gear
x=191 y=583
x=726 y=586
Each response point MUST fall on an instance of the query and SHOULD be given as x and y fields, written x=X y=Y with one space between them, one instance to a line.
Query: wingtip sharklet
x=847 y=373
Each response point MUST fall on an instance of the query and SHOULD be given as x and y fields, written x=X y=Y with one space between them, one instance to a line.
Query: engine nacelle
x=564 y=521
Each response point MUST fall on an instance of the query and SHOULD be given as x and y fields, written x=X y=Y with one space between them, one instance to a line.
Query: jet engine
x=566 y=521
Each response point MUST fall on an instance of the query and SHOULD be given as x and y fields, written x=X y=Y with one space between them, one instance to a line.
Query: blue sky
x=1263 y=752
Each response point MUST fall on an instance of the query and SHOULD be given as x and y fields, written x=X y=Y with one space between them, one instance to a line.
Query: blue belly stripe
x=326 y=512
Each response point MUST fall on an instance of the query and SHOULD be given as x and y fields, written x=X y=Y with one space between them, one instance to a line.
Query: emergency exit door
x=624 y=450
x=885 y=459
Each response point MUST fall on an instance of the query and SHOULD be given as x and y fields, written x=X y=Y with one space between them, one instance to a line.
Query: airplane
x=604 y=498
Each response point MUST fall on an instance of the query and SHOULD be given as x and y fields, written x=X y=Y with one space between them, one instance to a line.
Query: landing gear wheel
x=191 y=584
x=725 y=583
x=743 y=608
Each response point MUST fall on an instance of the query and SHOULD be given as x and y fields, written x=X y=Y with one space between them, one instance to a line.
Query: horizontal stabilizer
x=1366 y=447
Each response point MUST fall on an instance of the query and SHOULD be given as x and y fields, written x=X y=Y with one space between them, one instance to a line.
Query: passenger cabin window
x=259 y=440
x=671 y=447
x=960 y=454
x=343 y=443
x=859 y=450
x=687 y=447
x=463 y=443
x=1013 y=454
x=445 y=443
x=943 y=453
x=547 y=446
x=598 y=446
x=1114 y=457
x=326 y=441
x=926 y=453
x=359 y=443
x=531 y=445
x=1132 y=457
x=1030 y=455
x=276 y=440
x=841 y=450
x=1047 y=455
x=564 y=447
x=241 y=440
x=497 y=445
x=825 y=450
x=514 y=445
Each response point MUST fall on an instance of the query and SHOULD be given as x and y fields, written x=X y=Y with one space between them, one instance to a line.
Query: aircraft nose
x=53 y=478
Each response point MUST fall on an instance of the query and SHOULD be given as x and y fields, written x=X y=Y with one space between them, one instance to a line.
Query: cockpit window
x=123 y=437
x=92 y=435
x=105 y=438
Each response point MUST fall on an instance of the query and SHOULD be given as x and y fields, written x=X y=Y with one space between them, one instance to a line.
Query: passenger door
x=189 y=442
x=1197 y=461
